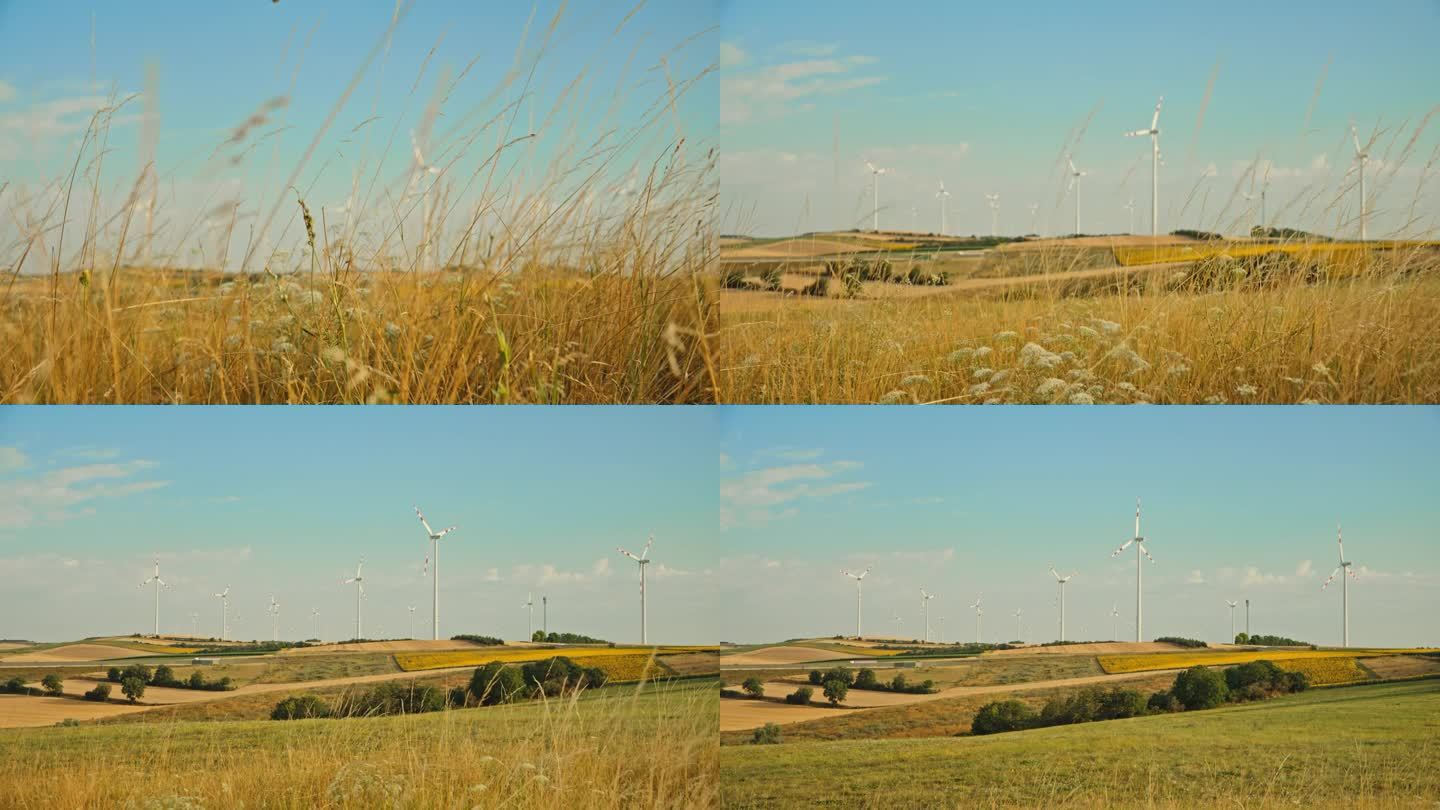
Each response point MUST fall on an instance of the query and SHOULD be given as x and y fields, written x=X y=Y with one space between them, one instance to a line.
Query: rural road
x=738 y=715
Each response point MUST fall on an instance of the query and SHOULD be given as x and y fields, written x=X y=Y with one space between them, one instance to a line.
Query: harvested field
x=1094 y=648
x=406 y=645
x=740 y=715
x=1190 y=658
x=1402 y=666
x=770 y=656
x=18 y=711
x=693 y=663
x=71 y=653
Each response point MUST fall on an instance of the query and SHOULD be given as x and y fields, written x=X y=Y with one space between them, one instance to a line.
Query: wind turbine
x=435 y=583
x=224 y=597
x=942 y=195
x=545 y=616
x=978 y=613
x=1139 y=550
x=925 y=606
x=993 y=200
x=1019 y=636
x=1232 y=605
x=940 y=620
x=1062 y=581
x=411 y=608
x=1034 y=208
x=1264 y=184
x=315 y=614
x=1361 y=156
x=421 y=169
x=359 y=593
x=195 y=624
x=159 y=583
x=530 y=621
x=274 y=611
x=1154 y=133
x=875 y=187
x=1130 y=207
x=859 y=578
x=1115 y=621
x=642 y=560
x=899 y=620
x=1075 y=175
x=1345 y=578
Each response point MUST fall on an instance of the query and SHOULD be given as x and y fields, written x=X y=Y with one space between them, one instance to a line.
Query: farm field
x=1363 y=746
x=415 y=662
x=1180 y=660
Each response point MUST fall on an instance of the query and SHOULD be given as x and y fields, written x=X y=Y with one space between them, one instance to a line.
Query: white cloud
x=1195 y=577
x=547 y=573
x=1251 y=575
x=7 y=91
x=1304 y=569
x=755 y=495
x=774 y=90
x=731 y=54
x=11 y=458
x=53 y=497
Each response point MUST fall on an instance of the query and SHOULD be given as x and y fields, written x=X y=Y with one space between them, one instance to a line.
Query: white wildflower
x=1246 y=390
x=1081 y=398
x=1051 y=386
x=915 y=379
x=1033 y=354
x=982 y=373
x=895 y=398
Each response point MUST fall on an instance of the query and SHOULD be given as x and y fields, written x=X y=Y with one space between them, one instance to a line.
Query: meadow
x=1365 y=746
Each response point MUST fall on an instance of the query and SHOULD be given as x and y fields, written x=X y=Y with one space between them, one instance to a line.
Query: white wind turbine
x=993 y=200
x=978 y=613
x=1345 y=573
x=940 y=620
x=943 y=196
x=315 y=614
x=1154 y=133
x=421 y=169
x=1019 y=635
x=1232 y=605
x=435 y=583
x=195 y=624
x=359 y=594
x=224 y=597
x=1361 y=157
x=274 y=611
x=411 y=608
x=1075 y=175
x=859 y=578
x=875 y=189
x=925 y=607
x=899 y=621
x=1130 y=207
x=1115 y=622
x=530 y=621
x=1062 y=580
x=1034 y=209
x=642 y=561
x=1139 y=542
x=159 y=583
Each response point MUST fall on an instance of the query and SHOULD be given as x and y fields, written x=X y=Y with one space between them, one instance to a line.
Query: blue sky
x=1237 y=503
x=218 y=65
x=285 y=500
x=986 y=98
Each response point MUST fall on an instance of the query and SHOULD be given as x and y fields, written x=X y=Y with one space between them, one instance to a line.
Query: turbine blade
x=1117 y=551
x=1155 y=120
x=1137 y=133
x=1330 y=579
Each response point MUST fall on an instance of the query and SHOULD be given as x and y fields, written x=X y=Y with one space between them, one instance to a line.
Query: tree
x=53 y=684
x=1264 y=674
x=1120 y=703
x=754 y=687
x=164 y=676
x=1004 y=715
x=197 y=680
x=496 y=683
x=865 y=679
x=816 y=677
x=300 y=707
x=1242 y=638
x=769 y=734
x=801 y=696
x=133 y=687
x=1200 y=688
x=101 y=692
x=538 y=635
x=897 y=683
x=113 y=674
x=835 y=691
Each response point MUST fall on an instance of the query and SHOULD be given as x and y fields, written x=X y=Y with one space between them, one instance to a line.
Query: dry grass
x=651 y=747
x=412 y=662
x=1176 y=660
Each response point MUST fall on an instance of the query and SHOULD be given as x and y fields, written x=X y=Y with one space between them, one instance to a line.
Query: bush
x=1264 y=673
x=552 y=675
x=840 y=674
x=1276 y=641
x=395 y=698
x=113 y=674
x=16 y=686
x=754 y=687
x=197 y=680
x=1004 y=715
x=1117 y=704
x=1200 y=688
x=301 y=707
x=768 y=734
x=496 y=683
x=816 y=678
x=865 y=679
x=164 y=676
x=485 y=641
x=133 y=687
x=1163 y=701
x=53 y=684
x=853 y=285
x=1182 y=642
x=732 y=278
x=100 y=693
x=819 y=287
x=836 y=690
x=897 y=683
x=772 y=278
x=801 y=696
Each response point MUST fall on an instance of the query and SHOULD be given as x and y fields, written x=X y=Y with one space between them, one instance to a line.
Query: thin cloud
x=777 y=90
x=64 y=494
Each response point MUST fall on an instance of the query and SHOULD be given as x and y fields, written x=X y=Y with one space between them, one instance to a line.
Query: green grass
x=1373 y=746
x=315 y=667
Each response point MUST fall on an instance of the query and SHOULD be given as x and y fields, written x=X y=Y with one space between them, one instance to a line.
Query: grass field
x=622 y=747
x=1369 y=746
x=1176 y=660
x=414 y=662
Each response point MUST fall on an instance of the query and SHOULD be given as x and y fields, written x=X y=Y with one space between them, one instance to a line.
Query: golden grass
x=414 y=662
x=1177 y=660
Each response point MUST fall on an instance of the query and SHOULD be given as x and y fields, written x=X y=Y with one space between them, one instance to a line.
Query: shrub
x=1263 y=673
x=300 y=707
x=1120 y=703
x=836 y=690
x=1296 y=681
x=100 y=693
x=197 y=680
x=853 y=285
x=395 y=698
x=16 y=686
x=53 y=684
x=1004 y=715
x=1182 y=642
x=1242 y=638
x=897 y=683
x=496 y=683
x=113 y=674
x=1163 y=701
x=754 y=687
x=134 y=671
x=768 y=734
x=1200 y=688
x=819 y=287
x=840 y=674
x=552 y=675
x=865 y=679
x=68 y=722
x=484 y=641
x=816 y=677
x=801 y=696
x=133 y=687
x=164 y=676
x=772 y=278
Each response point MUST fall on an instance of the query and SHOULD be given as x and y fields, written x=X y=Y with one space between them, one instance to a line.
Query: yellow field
x=414 y=662
x=1324 y=671
x=1114 y=664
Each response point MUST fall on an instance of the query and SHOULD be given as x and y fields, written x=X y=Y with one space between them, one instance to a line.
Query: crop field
x=1366 y=746
x=1325 y=671
x=1180 y=660
x=652 y=747
x=414 y=662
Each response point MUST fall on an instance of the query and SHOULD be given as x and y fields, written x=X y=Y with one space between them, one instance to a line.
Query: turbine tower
x=1019 y=636
x=1361 y=157
x=1130 y=207
x=530 y=620
x=940 y=620
x=1115 y=622
x=978 y=613
x=359 y=594
x=642 y=560
x=159 y=583
x=224 y=597
x=875 y=189
x=545 y=616
x=1139 y=550
x=411 y=608
x=942 y=195
x=1062 y=580
x=1154 y=133
x=435 y=583
x=993 y=200
x=925 y=608
x=315 y=614
x=899 y=620
x=859 y=578
x=1075 y=175
x=195 y=624
x=1034 y=208
x=274 y=611
x=1345 y=578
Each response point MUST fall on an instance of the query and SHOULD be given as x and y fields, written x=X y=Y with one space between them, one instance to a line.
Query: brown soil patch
x=1098 y=648
x=18 y=711
x=1119 y=240
x=769 y=656
x=74 y=652
x=1401 y=666
x=406 y=645
x=736 y=715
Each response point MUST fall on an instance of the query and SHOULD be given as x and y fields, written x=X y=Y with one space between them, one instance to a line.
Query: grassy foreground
x=1370 y=746
x=651 y=747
